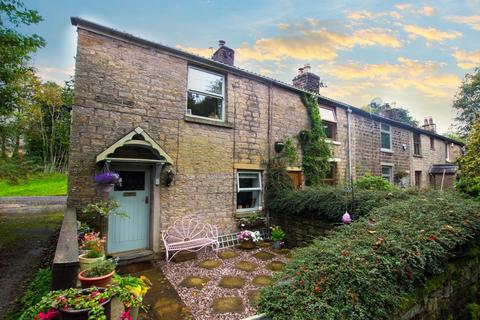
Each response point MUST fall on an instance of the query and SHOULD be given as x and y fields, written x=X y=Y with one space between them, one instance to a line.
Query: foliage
x=277 y=233
x=92 y=243
x=75 y=299
x=104 y=209
x=133 y=289
x=101 y=268
x=467 y=102
x=40 y=184
x=367 y=269
x=470 y=161
x=15 y=50
x=454 y=136
x=469 y=186
x=246 y=235
x=386 y=110
x=278 y=181
x=14 y=170
x=368 y=182
x=316 y=151
x=255 y=220
x=330 y=202
x=37 y=288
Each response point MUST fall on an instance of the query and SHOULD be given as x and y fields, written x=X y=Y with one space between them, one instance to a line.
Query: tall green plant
x=278 y=181
x=316 y=151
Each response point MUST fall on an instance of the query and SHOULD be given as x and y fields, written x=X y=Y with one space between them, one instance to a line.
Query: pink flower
x=46 y=316
x=346 y=218
x=126 y=315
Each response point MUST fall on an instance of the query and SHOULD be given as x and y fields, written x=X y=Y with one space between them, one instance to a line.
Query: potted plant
x=93 y=251
x=105 y=181
x=248 y=239
x=99 y=275
x=104 y=209
x=277 y=235
x=79 y=304
x=131 y=291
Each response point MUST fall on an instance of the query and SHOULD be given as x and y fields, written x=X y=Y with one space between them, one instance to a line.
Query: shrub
x=14 y=170
x=469 y=186
x=367 y=269
x=368 y=182
x=330 y=202
x=38 y=287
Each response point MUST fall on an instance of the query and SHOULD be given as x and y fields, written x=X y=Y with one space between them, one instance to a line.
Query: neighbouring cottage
x=152 y=112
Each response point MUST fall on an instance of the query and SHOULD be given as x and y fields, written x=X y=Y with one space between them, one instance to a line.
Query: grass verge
x=44 y=184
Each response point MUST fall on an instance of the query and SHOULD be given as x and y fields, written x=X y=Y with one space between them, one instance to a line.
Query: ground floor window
x=418 y=179
x=331 y=177
x=387 y=173
x=249 y=190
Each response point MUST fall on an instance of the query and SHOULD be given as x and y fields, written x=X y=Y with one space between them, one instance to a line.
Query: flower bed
x=367 y=269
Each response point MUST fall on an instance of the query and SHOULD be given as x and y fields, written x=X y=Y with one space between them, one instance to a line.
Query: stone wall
x=447 y=295
x=301 y=232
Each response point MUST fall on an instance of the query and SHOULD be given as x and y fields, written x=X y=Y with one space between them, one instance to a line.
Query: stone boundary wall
x=301 y=232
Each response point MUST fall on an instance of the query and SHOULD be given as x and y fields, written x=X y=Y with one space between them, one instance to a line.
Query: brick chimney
x=429 y=125
x=224 y=54
x=306 y=80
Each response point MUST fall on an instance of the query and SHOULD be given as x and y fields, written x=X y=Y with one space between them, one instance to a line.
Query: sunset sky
x=412 y=53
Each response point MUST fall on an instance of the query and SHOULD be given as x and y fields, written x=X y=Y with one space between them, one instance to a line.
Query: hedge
x=366 y=270
x=330 y=202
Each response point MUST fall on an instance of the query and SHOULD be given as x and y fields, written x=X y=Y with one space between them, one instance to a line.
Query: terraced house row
x=191 y=135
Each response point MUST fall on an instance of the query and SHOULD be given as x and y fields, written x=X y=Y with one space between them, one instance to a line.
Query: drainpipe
x=349 y=135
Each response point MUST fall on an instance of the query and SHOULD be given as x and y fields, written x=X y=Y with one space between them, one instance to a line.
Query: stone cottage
x=191 y=135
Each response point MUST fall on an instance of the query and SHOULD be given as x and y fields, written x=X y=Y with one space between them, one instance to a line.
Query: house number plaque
x=129 y=194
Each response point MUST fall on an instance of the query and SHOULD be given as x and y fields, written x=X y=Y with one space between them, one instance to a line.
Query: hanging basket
x=106 y=179
x=106 y=187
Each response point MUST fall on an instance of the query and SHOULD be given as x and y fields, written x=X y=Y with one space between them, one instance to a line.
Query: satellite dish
x=376 y=101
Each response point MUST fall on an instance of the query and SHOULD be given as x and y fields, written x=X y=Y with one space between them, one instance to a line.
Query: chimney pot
x=430 y=120
x=221 y=43
x=425 y=121
x=224 y=54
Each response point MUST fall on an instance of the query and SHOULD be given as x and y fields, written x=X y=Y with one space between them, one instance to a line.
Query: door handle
x=146 y=199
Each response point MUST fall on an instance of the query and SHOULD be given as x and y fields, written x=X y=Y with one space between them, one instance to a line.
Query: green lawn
x=45 y=184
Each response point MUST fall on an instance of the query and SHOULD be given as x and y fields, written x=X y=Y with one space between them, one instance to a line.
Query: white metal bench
x=189 y=234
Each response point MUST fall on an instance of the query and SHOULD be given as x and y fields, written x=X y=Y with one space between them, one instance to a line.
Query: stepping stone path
x=210 y=264
x=254 y=297
x=262 y=281
x=227 y=254
x=276 y=266
x=246 y=266
x=231 y=282
x=264 y=255
x=194 y=282
x=227 y=304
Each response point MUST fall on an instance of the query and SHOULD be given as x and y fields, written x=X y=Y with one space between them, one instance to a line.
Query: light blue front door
x=131 y=233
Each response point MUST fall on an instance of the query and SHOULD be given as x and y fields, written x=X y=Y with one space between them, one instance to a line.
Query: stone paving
x=227 y=285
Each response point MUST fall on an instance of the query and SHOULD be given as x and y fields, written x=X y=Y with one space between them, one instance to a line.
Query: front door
x=132 y=232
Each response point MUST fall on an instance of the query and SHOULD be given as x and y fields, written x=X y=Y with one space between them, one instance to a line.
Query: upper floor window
x=206 y=94
x=386 y=137
x=329 y=122
x=249 y=190
x=432 y=143
x=417 y=144
x=447 y=152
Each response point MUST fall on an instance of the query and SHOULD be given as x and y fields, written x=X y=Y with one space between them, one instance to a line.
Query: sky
x=413 y=54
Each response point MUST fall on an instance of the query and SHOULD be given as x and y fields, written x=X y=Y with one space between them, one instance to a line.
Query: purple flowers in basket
x=246 y=235
x=107 y=178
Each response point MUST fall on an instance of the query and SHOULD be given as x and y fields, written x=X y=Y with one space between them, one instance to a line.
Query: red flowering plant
x=93 y=245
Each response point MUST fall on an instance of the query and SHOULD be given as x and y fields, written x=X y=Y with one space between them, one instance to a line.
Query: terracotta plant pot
x=249 y=244
x=68 y=314
x=102 y=281
x=86 y=263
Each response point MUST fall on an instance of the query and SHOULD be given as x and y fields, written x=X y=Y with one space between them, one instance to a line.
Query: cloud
x=203 y=52
x=472 y=21
x=55 y=74
x=430 y=34
x=405 y=74
x=368 y=15
x=427 y=11
x=467 y=59
x=423 y=11
x=403 y=6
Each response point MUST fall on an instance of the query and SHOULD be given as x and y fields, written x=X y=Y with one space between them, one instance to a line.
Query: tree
x=386 y=110
x=15 y=50
x=467 y=102
x=470 y=161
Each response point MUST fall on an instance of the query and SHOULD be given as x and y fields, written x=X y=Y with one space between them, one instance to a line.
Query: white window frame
x=447 y=152
x=390 y=176
x=259 y=189
x=206 y=94
x=389 y=131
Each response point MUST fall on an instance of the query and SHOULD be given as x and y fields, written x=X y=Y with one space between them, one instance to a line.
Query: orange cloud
x=472 y=21
x=467 y=59
x=424 y=11
x=203 y=52
x=430 y=34
x=368 y=15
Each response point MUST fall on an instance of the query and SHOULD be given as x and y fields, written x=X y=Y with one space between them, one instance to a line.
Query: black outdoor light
x=303 y=135
x=279 y=146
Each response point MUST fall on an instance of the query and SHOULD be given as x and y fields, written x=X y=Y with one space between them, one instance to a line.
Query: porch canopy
x=447 y=168
x=137 y=146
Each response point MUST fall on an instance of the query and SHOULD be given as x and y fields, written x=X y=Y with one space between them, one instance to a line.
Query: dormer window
x=206 y=94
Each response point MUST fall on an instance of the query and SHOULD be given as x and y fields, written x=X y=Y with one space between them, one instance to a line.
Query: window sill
x=206 y=121
x=249 y=213
x=386 y=150
x=418 y=156
x=337 y=143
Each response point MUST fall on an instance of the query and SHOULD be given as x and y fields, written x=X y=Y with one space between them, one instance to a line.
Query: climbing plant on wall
x=316 y=151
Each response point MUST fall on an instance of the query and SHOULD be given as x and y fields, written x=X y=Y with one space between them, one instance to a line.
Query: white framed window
x=387 y=173
x=447 y=152
x=249 y=190
x=385 y=137
x=205 y=94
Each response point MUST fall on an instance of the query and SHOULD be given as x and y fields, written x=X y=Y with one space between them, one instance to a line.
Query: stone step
x=134 y=256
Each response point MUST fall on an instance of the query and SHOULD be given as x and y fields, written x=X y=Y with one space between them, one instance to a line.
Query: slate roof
x=113 y=33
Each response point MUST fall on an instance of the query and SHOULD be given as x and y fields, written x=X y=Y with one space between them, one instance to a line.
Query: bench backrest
x=189 y=228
